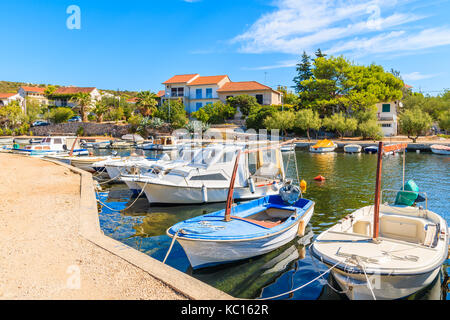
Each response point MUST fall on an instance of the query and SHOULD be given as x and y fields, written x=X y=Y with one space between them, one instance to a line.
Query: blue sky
x=136 y=45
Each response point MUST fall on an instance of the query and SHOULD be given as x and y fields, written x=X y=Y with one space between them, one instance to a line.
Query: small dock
x=53 y=248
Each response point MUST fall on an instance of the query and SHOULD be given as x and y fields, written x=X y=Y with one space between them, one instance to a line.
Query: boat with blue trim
x=244 y=230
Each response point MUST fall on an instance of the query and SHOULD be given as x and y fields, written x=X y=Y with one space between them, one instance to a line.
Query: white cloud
x=415 y=76
x=355 y=27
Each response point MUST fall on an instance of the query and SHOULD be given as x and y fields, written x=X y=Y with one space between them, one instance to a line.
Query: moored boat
x=352 y=148
x=58 y=145
x=323 y=146
x=371 y=149
x=244 y=230
x=440 y=149
x=206 y=178
x=385 y=251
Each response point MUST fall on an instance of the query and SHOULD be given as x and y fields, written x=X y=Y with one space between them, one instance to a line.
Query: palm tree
x=100 y=109
x=83 y=100
x=146 y=103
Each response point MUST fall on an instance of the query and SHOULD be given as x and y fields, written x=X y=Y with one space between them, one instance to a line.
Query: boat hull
x=322 y=150
x=168 y=194
x=352 y=149
x=440 y=151
x=385 y=287
x=203 y=254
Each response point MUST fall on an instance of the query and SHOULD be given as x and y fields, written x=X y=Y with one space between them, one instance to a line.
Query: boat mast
x=233 y=176
x=231 y=189
x=376 y=215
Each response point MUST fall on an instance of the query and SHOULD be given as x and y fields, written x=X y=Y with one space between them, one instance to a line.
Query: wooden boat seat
x=270 y=223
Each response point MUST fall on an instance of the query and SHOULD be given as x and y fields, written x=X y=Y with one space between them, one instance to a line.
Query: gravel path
x=41 y=254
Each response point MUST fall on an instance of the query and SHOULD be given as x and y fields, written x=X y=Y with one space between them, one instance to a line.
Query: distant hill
x=10 y=87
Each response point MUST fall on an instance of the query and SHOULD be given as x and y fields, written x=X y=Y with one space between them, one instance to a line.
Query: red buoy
x=319 y=178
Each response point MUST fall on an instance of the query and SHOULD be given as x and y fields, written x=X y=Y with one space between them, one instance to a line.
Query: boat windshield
x=206 y=156
x=186 y=155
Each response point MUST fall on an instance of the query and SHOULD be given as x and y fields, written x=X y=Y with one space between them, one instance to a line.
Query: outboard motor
x=290 y=193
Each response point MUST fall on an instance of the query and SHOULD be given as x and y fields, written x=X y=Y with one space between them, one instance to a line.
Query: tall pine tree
x=319 y=54
x=304 y=72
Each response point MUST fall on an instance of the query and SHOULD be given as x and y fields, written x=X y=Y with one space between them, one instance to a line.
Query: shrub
x=215 y=113
x=341 y=124
x=256 y=118
x=80 y=131
x=370 y=130
x=414 y=122
x=244 y=102
x=61 y=114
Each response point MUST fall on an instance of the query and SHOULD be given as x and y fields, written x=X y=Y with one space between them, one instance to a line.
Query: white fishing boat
x=323 y=146
x=163 y=143
x=206 y=178
x=156 y=169
x=53 y=146
x=352 y=148
x=6 y=141
x=81 y=162
x=288 y=148
x=245 y=230
x=440 y=149
x=385 y=251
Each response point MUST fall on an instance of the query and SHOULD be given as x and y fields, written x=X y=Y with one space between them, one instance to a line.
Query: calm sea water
x=349 y=185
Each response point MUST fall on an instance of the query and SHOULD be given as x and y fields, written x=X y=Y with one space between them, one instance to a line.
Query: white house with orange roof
x=62 y=96
x=197 y=91
x=7 y=98
x=35 y=93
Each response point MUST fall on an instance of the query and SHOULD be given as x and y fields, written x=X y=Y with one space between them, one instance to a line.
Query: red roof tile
x=161 y=93
x=34 y=89
x=73 y=90
x=207 y=80
x=243 y=86
x=182 y=78
x=6 y=95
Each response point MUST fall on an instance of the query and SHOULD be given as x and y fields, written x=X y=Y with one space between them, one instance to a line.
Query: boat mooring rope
x=115 y=210
x=171 y=245
x=303 y=286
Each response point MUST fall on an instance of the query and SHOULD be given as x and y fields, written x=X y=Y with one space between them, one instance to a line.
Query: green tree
x=307 y=119
x=414 y=122
x=370 y=129
x=215 y=113
x=282 y=120
x=175 y=113
x=244 y=103
x=258 y=115
x=319 y=54
x=84 y=102
x=61 y=114
x=147 y=103
x=100 y=109
x=303 y=72
x=341 y=124
x=13 y=114
x=444 y=120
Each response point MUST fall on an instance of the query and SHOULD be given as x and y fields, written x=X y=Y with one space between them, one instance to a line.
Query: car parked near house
x=75 y=119
x=40 y=123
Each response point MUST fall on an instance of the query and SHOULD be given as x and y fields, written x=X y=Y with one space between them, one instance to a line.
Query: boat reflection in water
x=249 y=278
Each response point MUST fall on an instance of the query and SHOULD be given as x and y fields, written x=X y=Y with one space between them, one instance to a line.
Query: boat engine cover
x=290 y=193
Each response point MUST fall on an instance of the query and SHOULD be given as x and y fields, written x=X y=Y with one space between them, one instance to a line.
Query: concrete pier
x=52 y=246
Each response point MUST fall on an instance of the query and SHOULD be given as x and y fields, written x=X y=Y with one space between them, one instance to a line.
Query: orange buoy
x=319 y=178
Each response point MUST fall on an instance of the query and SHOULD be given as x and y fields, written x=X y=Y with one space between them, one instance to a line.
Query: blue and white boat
x=244 y=230
x=53 y=146
x=256 y=228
